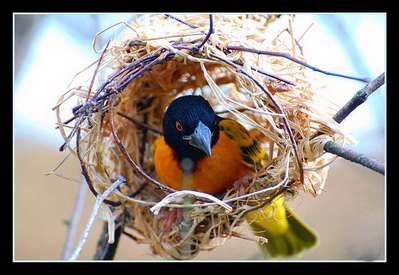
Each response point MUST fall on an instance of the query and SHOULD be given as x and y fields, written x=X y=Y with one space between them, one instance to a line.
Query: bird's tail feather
x=296 y=239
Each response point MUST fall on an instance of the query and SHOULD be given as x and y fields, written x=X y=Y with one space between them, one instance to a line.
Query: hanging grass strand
x=99 y=200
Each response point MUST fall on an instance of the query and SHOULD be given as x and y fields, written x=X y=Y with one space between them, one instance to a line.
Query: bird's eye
x=179 y=127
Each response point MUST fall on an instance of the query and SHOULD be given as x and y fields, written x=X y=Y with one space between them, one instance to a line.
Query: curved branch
x=293 y=59
x=132 y=163
x=86 y=174
x=286 y=126
x=197 y=48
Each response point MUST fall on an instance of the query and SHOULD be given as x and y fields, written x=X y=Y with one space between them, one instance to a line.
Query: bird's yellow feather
x=287 y=235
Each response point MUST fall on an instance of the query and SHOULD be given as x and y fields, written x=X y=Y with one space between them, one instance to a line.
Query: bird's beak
x=202 y=138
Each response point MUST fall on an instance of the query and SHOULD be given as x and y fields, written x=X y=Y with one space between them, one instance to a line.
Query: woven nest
x=161 y=58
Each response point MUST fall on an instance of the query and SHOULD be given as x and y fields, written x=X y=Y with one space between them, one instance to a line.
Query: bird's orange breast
x=212 y=174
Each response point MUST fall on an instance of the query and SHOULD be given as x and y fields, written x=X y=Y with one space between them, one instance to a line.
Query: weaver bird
x=218 y=152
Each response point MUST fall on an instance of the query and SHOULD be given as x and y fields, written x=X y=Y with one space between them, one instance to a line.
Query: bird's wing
x=251 y=150
x=287 y=235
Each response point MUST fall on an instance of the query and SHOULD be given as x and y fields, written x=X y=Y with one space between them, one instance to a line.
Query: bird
x=215 y=153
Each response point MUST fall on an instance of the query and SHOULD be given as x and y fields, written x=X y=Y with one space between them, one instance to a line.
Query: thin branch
x=133 y=68
x=359 y=98
x=197 y=48
x=295 y=40
x=140 y=124
x=95 y=103
x=272 y=76
x=239 y=62
x=71 y=134
x=278 y=107
x=289 y=57
x=132 y=163
x=105 y=250
x=348 y=154
x=130 y=236
x=145 y=68
x=181 y=21
x=303 y=34
x=86 y=174
x=69 y=120
x=74 y=222
x=99 y=200
x=96 y=70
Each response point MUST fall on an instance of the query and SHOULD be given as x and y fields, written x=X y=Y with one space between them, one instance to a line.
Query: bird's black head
x=190 y=127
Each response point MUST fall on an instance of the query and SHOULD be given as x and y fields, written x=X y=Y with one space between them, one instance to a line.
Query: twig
x=62 y=147
x=102 y=93
x=348 y=154
x=289 y=57
x=140 y=124
x=69 y=120
x=71 y=134
x=272 y=76
x=73 y=226
x=105 y=250
x=295 y=40
x=181 y=21
x=99 y=200
x=145 y=68
x=239 y=62
x=99 y=98
x=96 y=70
x=86 y=174
x=278 y=107
x=307 y=29
x=359 y=98
x=132 y=163
x=134 y=238
x=197 y=48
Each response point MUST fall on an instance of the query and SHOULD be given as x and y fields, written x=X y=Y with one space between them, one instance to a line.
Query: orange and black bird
x=221 y=151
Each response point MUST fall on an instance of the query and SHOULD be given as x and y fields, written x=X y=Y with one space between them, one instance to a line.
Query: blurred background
x=51 y=48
